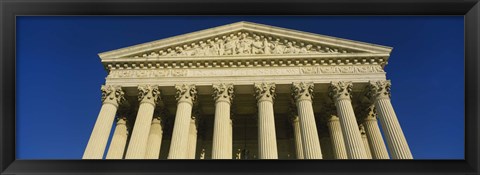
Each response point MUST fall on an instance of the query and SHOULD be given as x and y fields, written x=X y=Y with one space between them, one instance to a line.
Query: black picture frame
x=470 y=9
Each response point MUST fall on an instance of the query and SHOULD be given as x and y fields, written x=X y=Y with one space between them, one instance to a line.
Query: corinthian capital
x=302 y=91
x=340 y=90
x=370 y=113
x=378 y=89
x=148 y=94
x=265 y=91
x=113 y=95
x=223 y=92
x=186 y=93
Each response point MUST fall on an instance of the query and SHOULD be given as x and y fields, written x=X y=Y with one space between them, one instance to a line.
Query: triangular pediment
x=245 y=38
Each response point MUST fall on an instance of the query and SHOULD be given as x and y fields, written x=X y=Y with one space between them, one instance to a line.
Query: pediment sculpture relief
x=243 y=43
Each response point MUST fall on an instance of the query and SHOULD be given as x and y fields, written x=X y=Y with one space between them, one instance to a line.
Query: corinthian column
x=335 y=130
x=186 y=96
x=222 y=135
x=375 y=140
x=154 y=142
x=112 y=96
x=119 y=139
x=340 y=94
x=379 y=93
x=148 y=96
x=267 y=139
x=192 y=136
x=302 y=93
x=297 y=135
x=365 y=141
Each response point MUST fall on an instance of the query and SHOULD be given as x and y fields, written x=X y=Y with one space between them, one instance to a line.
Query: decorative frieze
x=312 y=70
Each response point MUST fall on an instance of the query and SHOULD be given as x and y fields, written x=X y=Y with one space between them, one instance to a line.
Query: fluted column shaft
x=365 y=142
x=379 y=92
x=298 y=137
x=192 y=139
x=186 y=96
x=222 y=128
x=340 y=93
x=119 y=140
x=148 y=97
x=375 y=140
x=154 y=142
x=338 y=143
x=267 y=139
x=112 y=96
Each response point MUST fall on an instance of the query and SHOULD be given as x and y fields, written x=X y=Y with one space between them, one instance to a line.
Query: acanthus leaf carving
x=340 y=90
x=378 y=89
x=186 y=93
x=148 y=94
x=223 y=92
x=302 y=91
x=265 y=91
x=113 y=95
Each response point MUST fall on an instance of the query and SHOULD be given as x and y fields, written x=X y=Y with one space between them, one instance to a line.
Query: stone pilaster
x=119 y=139
x=267 y=139
x=148 y=96
x=186 y=95
x=222 y=130
x=297 y=136
x=365 y=141
x=375 y=140
x=379 y=93
x=340 y=94
x=112 y=97
x=154 y=142
x=303 y=94
x=336 y=136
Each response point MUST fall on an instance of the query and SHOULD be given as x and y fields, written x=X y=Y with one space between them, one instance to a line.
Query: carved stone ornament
x=265 y=91
x=113 y=95
x=378 y=89
x=148 y=94
x=302 y=91
x=340 y=90
x=370 y=113
x=223 y=92
x=362 y=129
x=242 y=43
x=186 y=93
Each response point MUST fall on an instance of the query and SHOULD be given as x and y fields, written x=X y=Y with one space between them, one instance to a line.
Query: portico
x=247 y=91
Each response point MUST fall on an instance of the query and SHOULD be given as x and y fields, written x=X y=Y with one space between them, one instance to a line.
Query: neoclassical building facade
x=247 y=91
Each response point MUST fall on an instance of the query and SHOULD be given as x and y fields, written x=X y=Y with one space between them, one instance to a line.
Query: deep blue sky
x=59 y=73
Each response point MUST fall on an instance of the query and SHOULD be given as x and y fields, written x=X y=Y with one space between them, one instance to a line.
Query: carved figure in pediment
x=290 y=48
x=258 y=46
x=219 y=45
x=267 y=46
x=231 y=45
x=244 y=46
x=213 y=48
x=306 y=49
x=277 y=47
